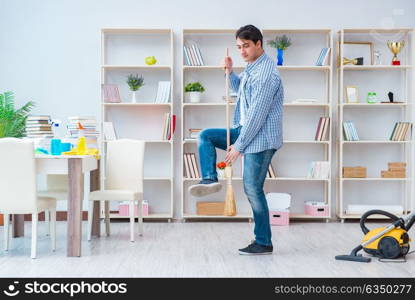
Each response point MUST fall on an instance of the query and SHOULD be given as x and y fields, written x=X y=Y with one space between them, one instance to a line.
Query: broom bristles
x=230 y=203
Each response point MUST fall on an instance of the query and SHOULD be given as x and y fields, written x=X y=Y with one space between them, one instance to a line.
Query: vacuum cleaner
x=388 y=242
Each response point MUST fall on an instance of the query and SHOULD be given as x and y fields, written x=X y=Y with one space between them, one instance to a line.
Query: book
x=38 y=118
x=198 y=55
x=325 y=129
x=191 y=56
x=186 y=56
x=316 y=138
x=346 y=132
x=393 y=132
x=191 y=167
x=271 y=171
x=109 y=132
x=186 y=168
x=354 y=132
x=110 y=93
x=195 y=165
x=163 y=92
x=323 y=57
x=173 y=121
x=319 y=170
x=397 y=131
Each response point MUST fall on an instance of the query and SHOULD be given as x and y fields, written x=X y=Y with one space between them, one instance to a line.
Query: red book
x=173 y=126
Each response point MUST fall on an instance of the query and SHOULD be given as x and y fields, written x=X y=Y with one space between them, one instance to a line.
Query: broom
x=230 y=203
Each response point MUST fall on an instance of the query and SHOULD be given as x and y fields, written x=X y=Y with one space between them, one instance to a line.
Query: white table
x=75 y=166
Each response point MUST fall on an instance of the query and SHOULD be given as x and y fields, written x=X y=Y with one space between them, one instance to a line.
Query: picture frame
x=352 y=94
x=353 y=50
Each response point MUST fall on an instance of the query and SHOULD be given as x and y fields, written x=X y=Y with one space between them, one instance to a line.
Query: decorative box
x=124 y=209
x=316 y=208
x=354 y=172
x=279 y=208
x=210 y=208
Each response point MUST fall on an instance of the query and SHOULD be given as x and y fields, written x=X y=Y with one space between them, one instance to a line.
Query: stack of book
x=322 y=129
x=319 y=170
x=193 y=56
x=350 y=132
x=194 y=133
x=400 y=131
x=39 y=126
x=163 y=92
x=169 y=126
x=83 y=126
x=323 y=57
x=191 y=169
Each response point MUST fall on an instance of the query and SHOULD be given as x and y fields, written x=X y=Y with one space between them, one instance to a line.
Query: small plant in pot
x=221 y=169
x=195 y=90
x=280 y=43
x=13 y=120
x=135 y=83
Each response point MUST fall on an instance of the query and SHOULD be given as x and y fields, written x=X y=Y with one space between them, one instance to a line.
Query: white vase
x=134 y=100
x=221 y=173
x=195 y=97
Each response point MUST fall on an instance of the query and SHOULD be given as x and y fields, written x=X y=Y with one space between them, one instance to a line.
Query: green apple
x=150 y=60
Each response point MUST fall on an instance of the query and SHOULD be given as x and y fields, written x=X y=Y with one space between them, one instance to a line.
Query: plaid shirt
x=260 y=89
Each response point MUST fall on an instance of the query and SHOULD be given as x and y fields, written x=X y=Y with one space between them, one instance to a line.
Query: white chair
x=56 y=187
x=124 y=180
x=18 y=188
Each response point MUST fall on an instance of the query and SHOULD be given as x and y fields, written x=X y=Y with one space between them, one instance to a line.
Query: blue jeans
x=255 y=171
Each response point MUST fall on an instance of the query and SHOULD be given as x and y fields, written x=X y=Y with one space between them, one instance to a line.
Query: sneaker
x=256 y=249
x=205 y=187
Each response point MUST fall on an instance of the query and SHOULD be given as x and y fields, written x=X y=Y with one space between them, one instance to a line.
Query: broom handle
x=228 y=133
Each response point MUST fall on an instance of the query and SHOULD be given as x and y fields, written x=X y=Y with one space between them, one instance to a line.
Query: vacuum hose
x=376 y=212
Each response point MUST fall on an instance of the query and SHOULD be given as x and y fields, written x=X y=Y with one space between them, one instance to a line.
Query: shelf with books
x=300 y=120
x=149 y=117
x=383 y=127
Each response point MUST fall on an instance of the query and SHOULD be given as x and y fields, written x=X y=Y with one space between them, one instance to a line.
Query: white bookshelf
x=123 y=53
x=374 y=122
x=293 y=160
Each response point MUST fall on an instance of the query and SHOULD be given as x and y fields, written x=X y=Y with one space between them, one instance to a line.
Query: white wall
x=50 y=49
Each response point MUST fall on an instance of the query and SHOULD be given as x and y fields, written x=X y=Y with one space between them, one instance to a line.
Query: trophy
x=396 y=47
x=356 y=61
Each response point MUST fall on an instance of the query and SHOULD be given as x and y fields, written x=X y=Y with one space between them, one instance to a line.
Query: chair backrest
x=17 y=176
x=57 y=182
x=125 y=165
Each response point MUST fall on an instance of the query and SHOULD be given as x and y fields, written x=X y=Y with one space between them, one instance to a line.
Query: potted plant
x=135 y=83
x=221 y=169
x=195 y=89
x=13 y=121
x=280 y=43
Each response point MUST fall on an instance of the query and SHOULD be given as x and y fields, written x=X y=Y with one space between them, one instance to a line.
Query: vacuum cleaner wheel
x=389 y=248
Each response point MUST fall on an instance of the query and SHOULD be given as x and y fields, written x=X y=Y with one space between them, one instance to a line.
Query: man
x=256 y=132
